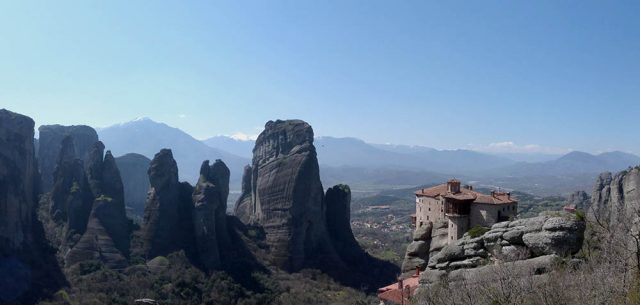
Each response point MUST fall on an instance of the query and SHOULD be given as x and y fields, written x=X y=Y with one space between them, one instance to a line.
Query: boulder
x=418 y=249
x=423 y=232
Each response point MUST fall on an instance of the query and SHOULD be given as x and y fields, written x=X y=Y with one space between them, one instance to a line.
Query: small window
x=429 y=209
x=427 y=217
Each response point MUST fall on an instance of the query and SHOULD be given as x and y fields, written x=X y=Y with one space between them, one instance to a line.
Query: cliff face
x=428 y=240
x=243 y=208
x=338 y=201
x=18 y=188
x=525 y=245
x=287 y=196
x=27 y=267
x=209 y=213
x=168 y=224
x=133 y=170
x=49 y=145
x=616 y=198
x=580 y=199
x=103 y=224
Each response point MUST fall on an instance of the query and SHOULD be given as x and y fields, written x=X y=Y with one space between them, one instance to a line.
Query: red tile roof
x=466 y=194
x=393 y=294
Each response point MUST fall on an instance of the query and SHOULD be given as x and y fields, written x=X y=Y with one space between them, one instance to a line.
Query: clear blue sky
x=447 y=74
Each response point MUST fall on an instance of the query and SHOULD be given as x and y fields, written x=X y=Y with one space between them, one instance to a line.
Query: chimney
x=453 y=186
x=417 y=271
x=493 y=193
x=508 y=195
x=400 y=282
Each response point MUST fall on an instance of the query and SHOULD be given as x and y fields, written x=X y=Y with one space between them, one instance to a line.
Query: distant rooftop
x=466 y=193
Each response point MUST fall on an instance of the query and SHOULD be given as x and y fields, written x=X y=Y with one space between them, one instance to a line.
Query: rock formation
x=243 y=208
x=18 y=188
x=578 y=199
x=530 y=242
x=287 y=196
x=167 y=223
x=209 y=213
x=106 y=237
x=133 y=170
x=428 y=240
x=49 y=145
x=616 y=198
x=27 y=267
x=338 y=202
x=71 y=197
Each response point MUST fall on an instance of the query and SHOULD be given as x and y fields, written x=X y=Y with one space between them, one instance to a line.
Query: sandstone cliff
x=527 y=246
x=338 y=202
x=106 y=235
x=28 y=268
x=287 y=196
x=428 y=240
x=133 y=170
x=49 y=145
x=209 y=213
x=167 y=223
x=303 y=227
x=616 y=198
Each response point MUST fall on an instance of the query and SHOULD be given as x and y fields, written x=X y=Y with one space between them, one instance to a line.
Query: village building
x=462 y=207
x=401 y=292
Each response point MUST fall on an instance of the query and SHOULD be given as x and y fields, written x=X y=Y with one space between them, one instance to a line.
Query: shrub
x=477 y=231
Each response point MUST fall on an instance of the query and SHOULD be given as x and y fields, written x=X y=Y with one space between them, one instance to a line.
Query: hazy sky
x=523 y=75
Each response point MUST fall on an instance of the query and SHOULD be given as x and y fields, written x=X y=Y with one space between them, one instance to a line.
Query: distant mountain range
x=147 y=137
x=572 y=163
x=376 y=166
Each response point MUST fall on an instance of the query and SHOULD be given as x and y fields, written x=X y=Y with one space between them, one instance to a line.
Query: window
x=429 y=209
x=427 y=219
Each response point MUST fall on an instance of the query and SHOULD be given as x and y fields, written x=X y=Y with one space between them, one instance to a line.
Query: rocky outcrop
x=167 y=223
x=49 y=145
x=299 y=225
x=133 y=170
x=338 y=202
x=578 y=200
x=524 y=244
x=209 y=213
x=287 y=196
x=71 y=197
x=28 y=268
x=243 y=208
x=428 y=240
x=106 y=237
x=516 y=240
x=18 y=187
x=616 y=198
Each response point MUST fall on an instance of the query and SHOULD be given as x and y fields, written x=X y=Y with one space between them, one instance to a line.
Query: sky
x=502 y=76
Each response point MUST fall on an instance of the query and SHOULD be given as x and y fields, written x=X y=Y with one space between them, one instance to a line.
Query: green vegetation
x=104 y=198
x=75 y=187
x=478 y=231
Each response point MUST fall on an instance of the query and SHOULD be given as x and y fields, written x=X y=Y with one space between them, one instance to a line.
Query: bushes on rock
x=478 y=231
